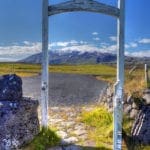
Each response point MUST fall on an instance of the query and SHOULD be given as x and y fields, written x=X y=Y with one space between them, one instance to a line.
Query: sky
x=20 y=29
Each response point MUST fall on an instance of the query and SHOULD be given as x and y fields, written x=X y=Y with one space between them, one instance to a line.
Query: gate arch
x=96 y=7
x=82 y=5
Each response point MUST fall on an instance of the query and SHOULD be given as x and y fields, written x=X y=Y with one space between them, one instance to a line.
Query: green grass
x=84 y=69
x=20 y=69
x=148 y=84
x=45 y=139
x=34 y=69
x=99 y=121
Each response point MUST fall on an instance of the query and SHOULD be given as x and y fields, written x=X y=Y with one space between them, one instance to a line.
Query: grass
x=133 y=82
x=45 y=139
x=99 y=122
x=100 y=126
x=34 y=69
x=20 y=69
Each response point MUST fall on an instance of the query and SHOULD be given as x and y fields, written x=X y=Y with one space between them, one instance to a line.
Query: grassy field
x=133 y=82
x=31 y=69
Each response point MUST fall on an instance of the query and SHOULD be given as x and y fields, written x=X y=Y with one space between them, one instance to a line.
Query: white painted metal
x=118 y=98
x=45 y=66
x=83 y=5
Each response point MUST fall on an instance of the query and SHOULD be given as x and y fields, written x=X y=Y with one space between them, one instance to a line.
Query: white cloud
x=26 y=43
x=113 y=38
x=96 y=39
x=95 y=33
x=16 y=52
x=90 y=48
x=27 y=48
x=127 y=46
x=141 y=53
x=65 y=43
x=144 y=41
x=131 y=45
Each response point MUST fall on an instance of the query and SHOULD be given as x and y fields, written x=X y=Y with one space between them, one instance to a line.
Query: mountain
x=77 y=57
x=74 y=57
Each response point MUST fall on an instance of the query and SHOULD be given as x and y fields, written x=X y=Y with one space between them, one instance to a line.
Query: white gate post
x=45 y=65
x=118 y=97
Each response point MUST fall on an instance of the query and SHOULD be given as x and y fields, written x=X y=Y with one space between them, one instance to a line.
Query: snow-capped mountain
x=77 y=57
x=74 y=57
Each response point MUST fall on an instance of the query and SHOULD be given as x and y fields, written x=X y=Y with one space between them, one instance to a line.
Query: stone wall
x=135 y=108
x=141 y=127
x=130 y=106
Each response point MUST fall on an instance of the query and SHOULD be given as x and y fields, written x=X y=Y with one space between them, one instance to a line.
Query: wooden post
x=118 y=98
x=45 y=65
x=146 y=75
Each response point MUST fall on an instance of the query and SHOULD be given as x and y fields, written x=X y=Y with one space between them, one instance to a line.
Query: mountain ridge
x=77 y=57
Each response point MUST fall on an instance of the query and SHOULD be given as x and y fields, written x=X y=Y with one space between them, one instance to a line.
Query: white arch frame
x=97 y=7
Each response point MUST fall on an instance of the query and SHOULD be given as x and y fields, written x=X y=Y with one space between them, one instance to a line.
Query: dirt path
x=73 y=133
x=66 y=89
x=69 y=95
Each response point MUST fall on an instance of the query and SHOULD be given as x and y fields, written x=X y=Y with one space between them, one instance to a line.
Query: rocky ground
x=73 y=133
x=69 y=95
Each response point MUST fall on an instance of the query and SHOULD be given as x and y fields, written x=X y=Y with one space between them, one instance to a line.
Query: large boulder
x=18 y=116
x=10 y=87
x=18 y=123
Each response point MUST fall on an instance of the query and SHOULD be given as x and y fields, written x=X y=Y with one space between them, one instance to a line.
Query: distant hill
x=77 y=57
x=74 y=57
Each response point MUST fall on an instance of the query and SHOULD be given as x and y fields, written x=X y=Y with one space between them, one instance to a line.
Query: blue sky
x=20 y=29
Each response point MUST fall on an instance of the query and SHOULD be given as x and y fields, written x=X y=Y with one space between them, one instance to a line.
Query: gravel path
x=66 y=89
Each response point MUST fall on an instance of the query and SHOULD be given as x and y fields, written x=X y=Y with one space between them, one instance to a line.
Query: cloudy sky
x=20 y=29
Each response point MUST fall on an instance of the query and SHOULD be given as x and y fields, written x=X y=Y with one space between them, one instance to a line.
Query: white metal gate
x=90 y=6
